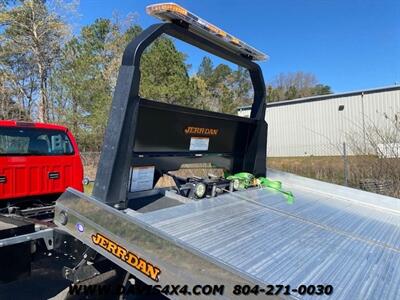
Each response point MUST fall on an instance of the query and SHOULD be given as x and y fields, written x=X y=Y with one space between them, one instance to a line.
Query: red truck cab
x=37 y=161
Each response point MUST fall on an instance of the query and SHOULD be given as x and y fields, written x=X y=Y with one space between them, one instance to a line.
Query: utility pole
x=344 y=155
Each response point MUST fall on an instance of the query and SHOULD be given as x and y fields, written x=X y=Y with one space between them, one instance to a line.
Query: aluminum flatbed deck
x=333 y=235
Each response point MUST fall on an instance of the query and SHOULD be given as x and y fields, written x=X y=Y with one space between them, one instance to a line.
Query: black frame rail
x=141 y=132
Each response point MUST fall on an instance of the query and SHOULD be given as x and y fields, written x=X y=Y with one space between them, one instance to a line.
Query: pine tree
x=164 y=74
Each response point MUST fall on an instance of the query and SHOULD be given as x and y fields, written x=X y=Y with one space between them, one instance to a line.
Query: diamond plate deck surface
x=319 y=239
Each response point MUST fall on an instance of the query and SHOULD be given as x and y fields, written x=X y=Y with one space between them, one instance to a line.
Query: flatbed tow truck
x=333 y=241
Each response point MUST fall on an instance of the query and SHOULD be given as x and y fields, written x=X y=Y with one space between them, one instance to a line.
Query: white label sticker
x=141 y=179
x=199 y=144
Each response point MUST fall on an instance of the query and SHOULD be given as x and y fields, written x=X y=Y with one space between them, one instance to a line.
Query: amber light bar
x=172 y=12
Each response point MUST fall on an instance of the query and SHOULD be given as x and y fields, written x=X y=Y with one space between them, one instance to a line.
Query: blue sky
x=349 y=45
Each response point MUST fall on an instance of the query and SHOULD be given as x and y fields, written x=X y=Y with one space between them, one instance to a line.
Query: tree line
x=49 y=74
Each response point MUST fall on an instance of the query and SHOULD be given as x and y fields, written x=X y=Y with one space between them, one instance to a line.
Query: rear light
x=199 y=190
x=25 y=124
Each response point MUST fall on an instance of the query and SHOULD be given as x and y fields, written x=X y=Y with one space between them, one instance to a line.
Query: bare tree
x=378 y=154
x=31 y=41
x=286 y=86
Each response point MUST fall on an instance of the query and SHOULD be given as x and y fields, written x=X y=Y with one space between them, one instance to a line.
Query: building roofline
x=325 y=97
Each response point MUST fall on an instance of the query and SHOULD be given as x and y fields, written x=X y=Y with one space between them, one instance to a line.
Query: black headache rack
x=142 y=132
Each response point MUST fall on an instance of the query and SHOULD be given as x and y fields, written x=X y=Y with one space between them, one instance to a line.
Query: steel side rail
x=45 y=234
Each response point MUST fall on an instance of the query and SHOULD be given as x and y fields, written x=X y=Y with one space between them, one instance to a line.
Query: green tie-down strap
x=276 y=185
x=246 y=180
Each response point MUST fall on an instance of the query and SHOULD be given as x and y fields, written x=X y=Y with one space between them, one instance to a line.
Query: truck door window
x=34 y=141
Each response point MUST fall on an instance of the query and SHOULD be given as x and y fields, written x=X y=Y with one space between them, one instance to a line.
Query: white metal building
x=319 y=125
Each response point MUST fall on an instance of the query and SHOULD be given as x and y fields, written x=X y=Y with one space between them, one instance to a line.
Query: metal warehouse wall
x=315 y=126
